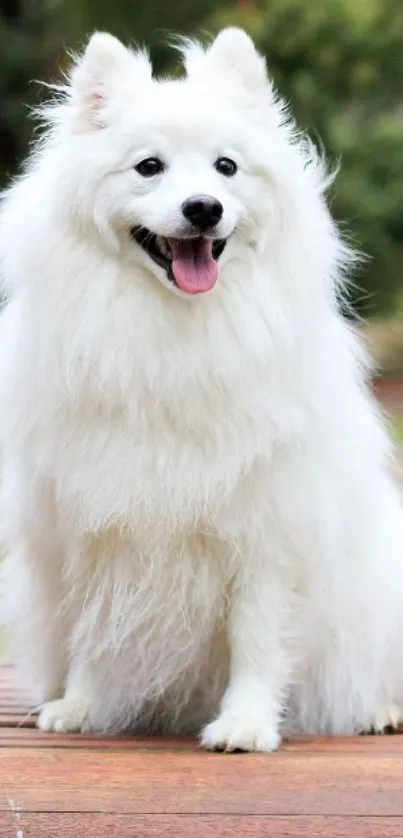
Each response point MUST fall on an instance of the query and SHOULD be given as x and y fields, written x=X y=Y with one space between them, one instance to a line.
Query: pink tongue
x=193 y=266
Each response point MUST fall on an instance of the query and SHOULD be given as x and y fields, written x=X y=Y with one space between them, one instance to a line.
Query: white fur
x=199 y=520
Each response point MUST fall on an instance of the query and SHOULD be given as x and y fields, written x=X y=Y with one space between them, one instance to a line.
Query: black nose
x=202 y=211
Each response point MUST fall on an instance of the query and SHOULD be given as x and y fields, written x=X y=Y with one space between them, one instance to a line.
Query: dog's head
x=176 y=174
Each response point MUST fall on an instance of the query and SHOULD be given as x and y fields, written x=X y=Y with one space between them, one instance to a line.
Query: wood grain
x=162 y=782
x=26 y=736
x=12 y=720
x=182 y=826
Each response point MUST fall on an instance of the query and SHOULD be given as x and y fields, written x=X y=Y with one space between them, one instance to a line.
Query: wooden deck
x=80 y=786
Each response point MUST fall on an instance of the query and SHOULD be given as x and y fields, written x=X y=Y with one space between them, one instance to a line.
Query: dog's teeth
x=163 y=246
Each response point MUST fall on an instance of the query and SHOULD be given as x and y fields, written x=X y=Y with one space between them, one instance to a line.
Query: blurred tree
x=150 y=23
x=340 y=65
x=29 y=49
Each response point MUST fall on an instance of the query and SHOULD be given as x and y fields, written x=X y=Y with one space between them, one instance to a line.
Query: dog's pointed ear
x=234 y=51
x=105 y=66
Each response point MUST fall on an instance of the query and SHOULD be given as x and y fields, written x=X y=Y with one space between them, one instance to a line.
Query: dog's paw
x=67 y=715
x=231 y=732
x=387 y=720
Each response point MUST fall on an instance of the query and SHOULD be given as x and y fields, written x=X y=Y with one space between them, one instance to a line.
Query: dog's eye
x=226 y=166
x=149 y=167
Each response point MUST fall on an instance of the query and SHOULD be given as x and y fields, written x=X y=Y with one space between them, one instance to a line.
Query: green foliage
x=398 y=425
x=152 y=24
x=29 y=48
x=338 y=62
x=340 y=65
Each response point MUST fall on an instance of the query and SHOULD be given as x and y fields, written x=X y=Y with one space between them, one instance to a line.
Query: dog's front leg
x=72 y=713
x=249 y=717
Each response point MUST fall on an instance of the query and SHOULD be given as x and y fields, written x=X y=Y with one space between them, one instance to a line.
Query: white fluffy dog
x=200 y=526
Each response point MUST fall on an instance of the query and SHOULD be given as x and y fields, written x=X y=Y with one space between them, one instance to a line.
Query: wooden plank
x=135 y=782
x=27 y=736
x=15 y=700
x=16 y=720
x=32 y=738
x=16 y=709
x=182 y=826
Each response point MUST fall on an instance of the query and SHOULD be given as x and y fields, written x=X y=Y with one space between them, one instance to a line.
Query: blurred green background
x=338 y=62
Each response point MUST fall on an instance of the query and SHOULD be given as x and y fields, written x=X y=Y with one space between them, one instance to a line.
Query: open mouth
x=191 y=264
